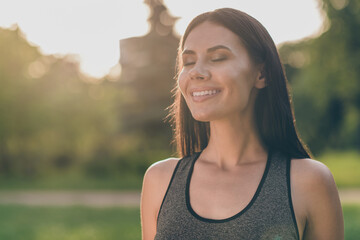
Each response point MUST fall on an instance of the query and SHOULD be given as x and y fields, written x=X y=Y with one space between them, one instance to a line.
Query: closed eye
x=218 y=59
x=189 y=63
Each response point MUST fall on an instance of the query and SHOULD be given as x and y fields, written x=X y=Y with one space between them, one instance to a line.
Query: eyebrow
x=212 y=49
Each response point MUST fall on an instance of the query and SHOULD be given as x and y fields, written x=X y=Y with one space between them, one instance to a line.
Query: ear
x=260 y=78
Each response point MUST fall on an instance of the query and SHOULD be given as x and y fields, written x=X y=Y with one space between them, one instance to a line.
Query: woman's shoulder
x=162 y=168
x=316 y=199
x=313 y=179
x=158 y=175
x=311 y=173
x=155 y=182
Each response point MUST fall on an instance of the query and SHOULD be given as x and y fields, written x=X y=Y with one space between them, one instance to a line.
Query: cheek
x=182 y=83
x=239 y=84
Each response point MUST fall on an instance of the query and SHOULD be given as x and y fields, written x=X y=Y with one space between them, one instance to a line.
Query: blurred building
x=148 y=70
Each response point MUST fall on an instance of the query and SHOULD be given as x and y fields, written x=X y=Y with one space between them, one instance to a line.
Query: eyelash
x=218 y=59
x=188 y=64
x=213 y=60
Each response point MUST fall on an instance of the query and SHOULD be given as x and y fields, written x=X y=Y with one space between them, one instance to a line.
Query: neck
x=234 y=142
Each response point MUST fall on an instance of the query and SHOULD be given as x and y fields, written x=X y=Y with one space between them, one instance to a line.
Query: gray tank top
x=269 y=215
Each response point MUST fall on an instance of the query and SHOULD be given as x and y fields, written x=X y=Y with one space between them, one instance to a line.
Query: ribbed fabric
x=269 y=215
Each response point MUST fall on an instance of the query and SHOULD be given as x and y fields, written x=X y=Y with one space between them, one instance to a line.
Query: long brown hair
x=274 y=114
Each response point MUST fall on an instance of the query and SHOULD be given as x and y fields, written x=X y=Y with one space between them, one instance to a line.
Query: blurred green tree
x=324 y=73
x=51 y=115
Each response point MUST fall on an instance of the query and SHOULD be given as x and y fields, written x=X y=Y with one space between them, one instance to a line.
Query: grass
x=68 y=223
x=344 y=167
x=352 y=221
x=78 y=223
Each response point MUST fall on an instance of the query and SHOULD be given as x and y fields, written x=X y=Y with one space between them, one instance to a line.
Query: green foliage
x=344 y=167
x=48 y=115
x=74 y=181
x=54 y=119
x=324 y=74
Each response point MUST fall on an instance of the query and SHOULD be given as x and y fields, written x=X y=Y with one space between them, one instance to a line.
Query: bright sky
x=92 y=29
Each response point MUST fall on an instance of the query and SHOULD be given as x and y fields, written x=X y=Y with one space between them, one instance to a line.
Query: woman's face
x=218 y=79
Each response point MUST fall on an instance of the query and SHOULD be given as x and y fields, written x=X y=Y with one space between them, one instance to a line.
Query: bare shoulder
x=156 y=180
x=313 y=180
x=316 y=200
x=311 y=174
x=161 y=170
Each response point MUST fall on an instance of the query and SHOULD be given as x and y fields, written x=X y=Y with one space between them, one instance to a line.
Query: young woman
x=243 y=172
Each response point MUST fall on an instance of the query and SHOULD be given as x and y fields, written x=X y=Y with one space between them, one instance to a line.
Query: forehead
x=208 y=34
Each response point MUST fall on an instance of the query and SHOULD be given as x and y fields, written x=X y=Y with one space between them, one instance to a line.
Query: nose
x=199 y=72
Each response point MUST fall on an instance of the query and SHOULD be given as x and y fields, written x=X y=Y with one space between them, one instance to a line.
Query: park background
x=62 y=129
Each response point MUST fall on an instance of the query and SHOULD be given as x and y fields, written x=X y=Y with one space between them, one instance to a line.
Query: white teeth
x=204 y=93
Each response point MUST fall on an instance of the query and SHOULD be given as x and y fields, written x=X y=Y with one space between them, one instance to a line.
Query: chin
x=202 y=117
x=202 y=120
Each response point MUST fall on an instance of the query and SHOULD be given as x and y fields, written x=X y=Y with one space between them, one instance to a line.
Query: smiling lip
x=199 y=95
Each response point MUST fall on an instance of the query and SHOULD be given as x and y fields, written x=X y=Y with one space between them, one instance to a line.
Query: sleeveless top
x=269 y=215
